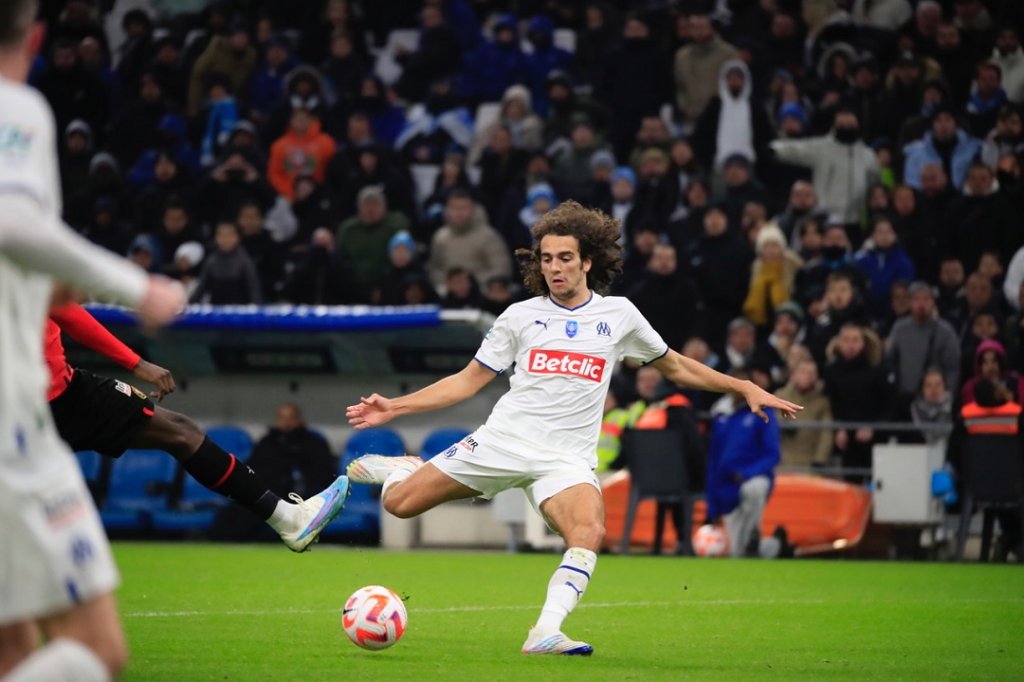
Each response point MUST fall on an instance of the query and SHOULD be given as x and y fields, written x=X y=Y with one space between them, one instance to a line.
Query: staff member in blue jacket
x=742 y=456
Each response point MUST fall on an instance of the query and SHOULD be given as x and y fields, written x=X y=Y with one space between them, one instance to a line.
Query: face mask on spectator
x=833 y=252
x=847 y=135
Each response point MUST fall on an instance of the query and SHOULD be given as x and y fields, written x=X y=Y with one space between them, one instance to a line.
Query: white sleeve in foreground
x=38 y=241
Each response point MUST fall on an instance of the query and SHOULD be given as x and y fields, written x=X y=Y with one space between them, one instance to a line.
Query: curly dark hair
x=597 y=234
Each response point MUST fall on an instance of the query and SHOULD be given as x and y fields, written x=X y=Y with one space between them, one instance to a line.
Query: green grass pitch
x=208 y=612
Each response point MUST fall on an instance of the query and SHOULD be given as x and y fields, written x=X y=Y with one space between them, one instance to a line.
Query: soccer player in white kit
x=56 y=570
x=542 y=434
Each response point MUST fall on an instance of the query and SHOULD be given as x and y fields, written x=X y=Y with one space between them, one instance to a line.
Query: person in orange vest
x=672 y=410
x=992 y=412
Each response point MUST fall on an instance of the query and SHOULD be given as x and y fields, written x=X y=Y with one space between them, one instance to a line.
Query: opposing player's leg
x=298 y=523
x=577 y=513
x=17 y=642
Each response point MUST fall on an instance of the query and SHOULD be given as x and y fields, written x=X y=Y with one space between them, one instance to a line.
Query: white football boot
x=316 y=512
x=539 y=642
x=375 y=469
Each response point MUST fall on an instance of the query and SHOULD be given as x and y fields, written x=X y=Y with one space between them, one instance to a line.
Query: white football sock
x=62 y=660
x=394 y=477
x=285 y=516
x=566 y=588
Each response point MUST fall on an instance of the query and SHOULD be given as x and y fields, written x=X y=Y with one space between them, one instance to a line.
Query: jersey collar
x=559 y=305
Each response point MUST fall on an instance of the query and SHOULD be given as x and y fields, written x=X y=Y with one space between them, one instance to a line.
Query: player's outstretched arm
x=376 y=409
x=38 y=242
x=76 y=322
x=689 y=373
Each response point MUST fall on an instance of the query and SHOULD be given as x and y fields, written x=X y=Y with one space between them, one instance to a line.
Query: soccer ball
x=374 y=617
x=710 y=541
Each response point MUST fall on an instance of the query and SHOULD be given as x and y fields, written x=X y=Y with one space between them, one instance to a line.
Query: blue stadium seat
x=139 y=483
x=380 y=441
x=90 y=463
x=233 y=439
x=362 y=511
x=195 y=510
x=440 y=440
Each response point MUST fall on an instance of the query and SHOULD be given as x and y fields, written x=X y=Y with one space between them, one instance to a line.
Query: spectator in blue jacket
x=742 y=456
x=171 y=139
x=267 y=84
x=945 y=144
x=884 y=262
x=495 y=64
x=221 y=115
x=545 y=58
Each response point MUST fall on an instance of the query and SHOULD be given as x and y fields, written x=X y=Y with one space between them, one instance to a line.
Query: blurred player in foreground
x=542 y=434
x=97 y=413
x=56 y=569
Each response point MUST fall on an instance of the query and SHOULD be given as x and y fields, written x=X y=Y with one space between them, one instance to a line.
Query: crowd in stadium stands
x=827 y=193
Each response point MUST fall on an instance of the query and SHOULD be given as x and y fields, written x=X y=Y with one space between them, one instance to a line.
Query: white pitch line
x=470 y=609
x=530 y=607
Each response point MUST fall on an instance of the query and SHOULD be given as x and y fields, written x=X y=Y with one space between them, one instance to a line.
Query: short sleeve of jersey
x=500 y=345
x=641 y=342
x=27 y=146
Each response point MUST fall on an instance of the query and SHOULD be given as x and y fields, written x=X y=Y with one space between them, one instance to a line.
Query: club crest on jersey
x=572 y=327
x=604 y=329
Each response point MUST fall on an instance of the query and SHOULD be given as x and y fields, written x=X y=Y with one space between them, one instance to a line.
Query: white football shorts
x=480 y=461
x=54 y=553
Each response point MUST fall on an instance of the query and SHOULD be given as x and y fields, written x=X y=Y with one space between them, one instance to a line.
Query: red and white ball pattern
x=710 y=541
x=374 y=617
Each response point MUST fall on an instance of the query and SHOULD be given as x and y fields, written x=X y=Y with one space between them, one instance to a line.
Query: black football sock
x=223 y=473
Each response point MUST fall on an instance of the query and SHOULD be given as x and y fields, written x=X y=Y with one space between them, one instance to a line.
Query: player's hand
x=157 y=376
x=164 y=300
x=370 y=412
x=759 y=399
x=863 y=435
x=61 y=295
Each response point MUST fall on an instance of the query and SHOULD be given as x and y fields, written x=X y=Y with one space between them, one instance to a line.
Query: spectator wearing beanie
x=623 y=202
x=540 y=198
x=185 y=268
x=405 y=275
x=772 y=275
x=362 y=240
x=517 y=115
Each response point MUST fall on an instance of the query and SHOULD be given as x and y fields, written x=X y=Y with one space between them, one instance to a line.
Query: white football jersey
x=564 y=359
x=35 y=246
x=28 y=167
